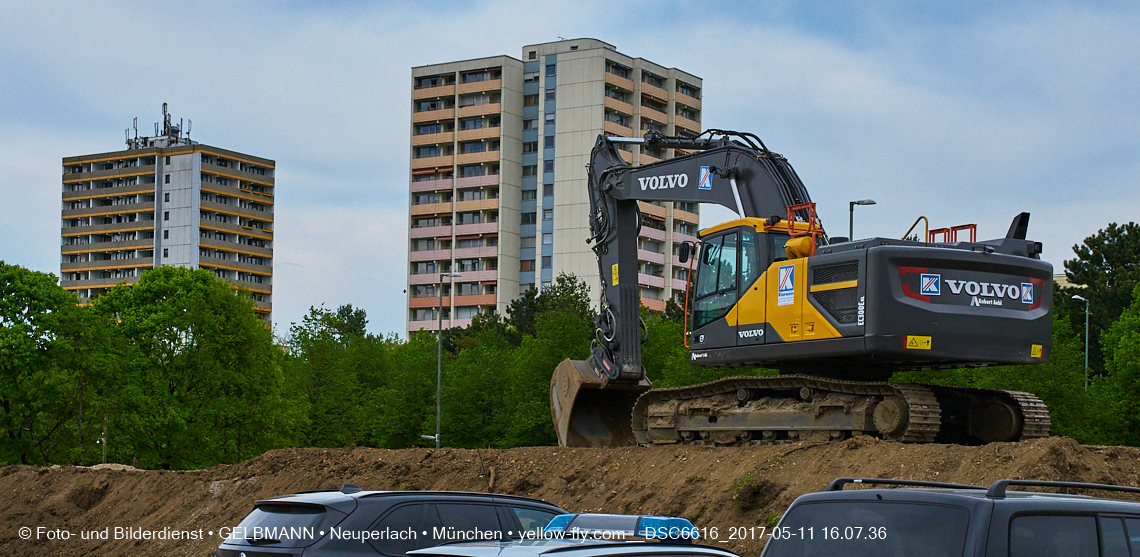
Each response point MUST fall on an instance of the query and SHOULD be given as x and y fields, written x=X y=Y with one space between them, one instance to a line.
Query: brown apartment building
x=167 y=200
x=499 y=148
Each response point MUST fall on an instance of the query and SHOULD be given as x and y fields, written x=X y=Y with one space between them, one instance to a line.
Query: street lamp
x=851 y=220
x=439 y=359
x=1085 y=300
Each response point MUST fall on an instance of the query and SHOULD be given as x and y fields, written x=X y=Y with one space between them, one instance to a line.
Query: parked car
x=355 y=522
x=942 y=520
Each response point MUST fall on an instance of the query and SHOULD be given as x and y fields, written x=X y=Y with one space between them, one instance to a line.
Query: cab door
x=717 y=290
x=751 y=309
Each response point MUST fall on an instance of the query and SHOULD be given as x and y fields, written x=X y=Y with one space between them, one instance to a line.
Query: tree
x=205 y=367
x=1122 y=349
x=566 y=293
x=1107 y=267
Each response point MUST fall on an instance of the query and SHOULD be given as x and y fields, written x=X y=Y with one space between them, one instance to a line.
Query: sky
x=965 y=112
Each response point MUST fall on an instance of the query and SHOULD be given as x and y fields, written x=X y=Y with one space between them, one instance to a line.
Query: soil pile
x=721 y=487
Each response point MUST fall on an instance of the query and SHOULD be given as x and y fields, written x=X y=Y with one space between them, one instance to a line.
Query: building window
x=530 y=100
x=550 y=118
x=167 y=179
x=526 y=265
x=532 y=55
x=530 y=124
x=165 y=252
x=548 y=142
x=548 y=166
x=550 y=69
x=529 y=218
x=548 y=190
x=550 y=94
x=526 y=242
x=529 y=195
x=530 y=170
x=166 y=215
x=530 y=77
x=165 y=234
x=166 y=197
x=548 y=214
x=530 y=147
x=546 y=261
x=167 y=161
x=547 y=238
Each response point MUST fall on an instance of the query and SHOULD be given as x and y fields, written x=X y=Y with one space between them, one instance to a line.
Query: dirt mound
x=719 y=487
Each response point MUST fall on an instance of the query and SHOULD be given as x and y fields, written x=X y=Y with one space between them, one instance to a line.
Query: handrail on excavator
x=926 y=236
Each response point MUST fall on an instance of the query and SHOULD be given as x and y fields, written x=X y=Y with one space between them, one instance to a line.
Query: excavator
x=836 y=317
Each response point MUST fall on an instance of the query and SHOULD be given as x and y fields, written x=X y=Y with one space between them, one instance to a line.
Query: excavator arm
x=726 y=168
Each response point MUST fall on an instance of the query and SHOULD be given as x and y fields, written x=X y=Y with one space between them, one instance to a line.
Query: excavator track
x=775 y=409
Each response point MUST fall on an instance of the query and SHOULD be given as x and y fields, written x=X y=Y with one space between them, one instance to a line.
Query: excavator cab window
x=776 y=246
x=716 y=290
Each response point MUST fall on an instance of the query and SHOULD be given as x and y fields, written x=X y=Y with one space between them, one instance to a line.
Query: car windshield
x=870 y=529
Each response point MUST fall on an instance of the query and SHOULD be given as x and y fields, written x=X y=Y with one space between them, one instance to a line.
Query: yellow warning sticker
x=917 y=343
x=614 y=272
x=1035 y=350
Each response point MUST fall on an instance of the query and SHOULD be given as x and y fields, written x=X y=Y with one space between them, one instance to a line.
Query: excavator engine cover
x=589 y=412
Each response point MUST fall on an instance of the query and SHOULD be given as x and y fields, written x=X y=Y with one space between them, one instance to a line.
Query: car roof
x=576 y=546
x=336 y=498
x=963 y=496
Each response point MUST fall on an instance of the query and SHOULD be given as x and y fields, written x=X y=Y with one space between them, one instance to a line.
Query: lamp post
x=1086 y=301
x=439 y=359
x=851 y=219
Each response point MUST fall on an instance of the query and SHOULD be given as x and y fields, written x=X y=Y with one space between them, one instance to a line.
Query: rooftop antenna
x=561 y=39
x=135 y=124
x=127 y=136
x=189 y=126
x=165 y=120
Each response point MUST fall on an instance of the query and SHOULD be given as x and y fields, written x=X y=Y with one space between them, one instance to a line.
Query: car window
x=400 y=519
x=1113 y=541
x=533 y=519
x=1133 y=527
x=282 y=525
x=871 y=529
x=472 y=520
x=1053 y=536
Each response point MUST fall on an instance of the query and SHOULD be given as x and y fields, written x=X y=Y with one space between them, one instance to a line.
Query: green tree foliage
x=566 y=293
x=1122 y=386
x=1107 y=268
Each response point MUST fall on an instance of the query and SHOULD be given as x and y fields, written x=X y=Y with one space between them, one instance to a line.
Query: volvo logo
x=751 y=333
x=993 y=289
x=663 y=182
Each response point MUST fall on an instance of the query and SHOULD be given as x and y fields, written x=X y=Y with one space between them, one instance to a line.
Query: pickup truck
x=932 y=519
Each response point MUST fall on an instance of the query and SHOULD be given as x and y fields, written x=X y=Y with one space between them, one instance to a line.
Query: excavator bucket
x=589 y=414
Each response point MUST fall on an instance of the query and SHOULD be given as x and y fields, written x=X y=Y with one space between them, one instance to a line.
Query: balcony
x=653 y=233
x=432 y=185
x=107 y=228
x=431 y=92
x=688 y=101
x=617 y=129
x=690 y=125
x=108 y=192
x=682 y=237
x=476 y=205
x=615 y=79
x=678 y=284
x=480 y=133
x=127 y=172
x=476 y=276
x=431 y=209
x=126 y=208
x=650 y=256
x=682 y=215
x=248 y=195
x=474 y=181
x=235 y=247
x=654 y=114
x=433 y=162
x=106 y=246
x=651 y=209
x=485 y=251
x=427 y=278
x=104 y=264
x=650 y=280
x=476 y=86
x=97 y=283
x=480 y=110
x=475 y=158
x=626 y=156
x=433 y=115
x=430 y=255
x=433 y=324
x=430 y=232
x=646 y=158
x=234 y=265
x=433 y=138
x=655 y=305
x=259 y=233
x=428 y=302
x=477 y=300
x=655 y=92
x=473 y=229
x=620 y=106
x=233 y=172
x=262 y=287
x=229 y=209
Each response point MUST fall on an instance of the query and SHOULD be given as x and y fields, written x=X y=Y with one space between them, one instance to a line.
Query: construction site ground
x=722 y=487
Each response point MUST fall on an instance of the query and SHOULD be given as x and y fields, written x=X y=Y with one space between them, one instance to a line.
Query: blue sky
x=967 y=112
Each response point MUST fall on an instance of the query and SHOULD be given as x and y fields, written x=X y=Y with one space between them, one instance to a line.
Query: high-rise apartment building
x=499 y=149
x=167 y=200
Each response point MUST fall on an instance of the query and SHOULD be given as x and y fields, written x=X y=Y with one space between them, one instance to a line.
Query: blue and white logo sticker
x=786 y=289
x=930 y=285
x=706 y=179
x=1027 y=292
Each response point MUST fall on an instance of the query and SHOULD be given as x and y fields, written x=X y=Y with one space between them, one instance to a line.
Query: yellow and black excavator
x=836 y=316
